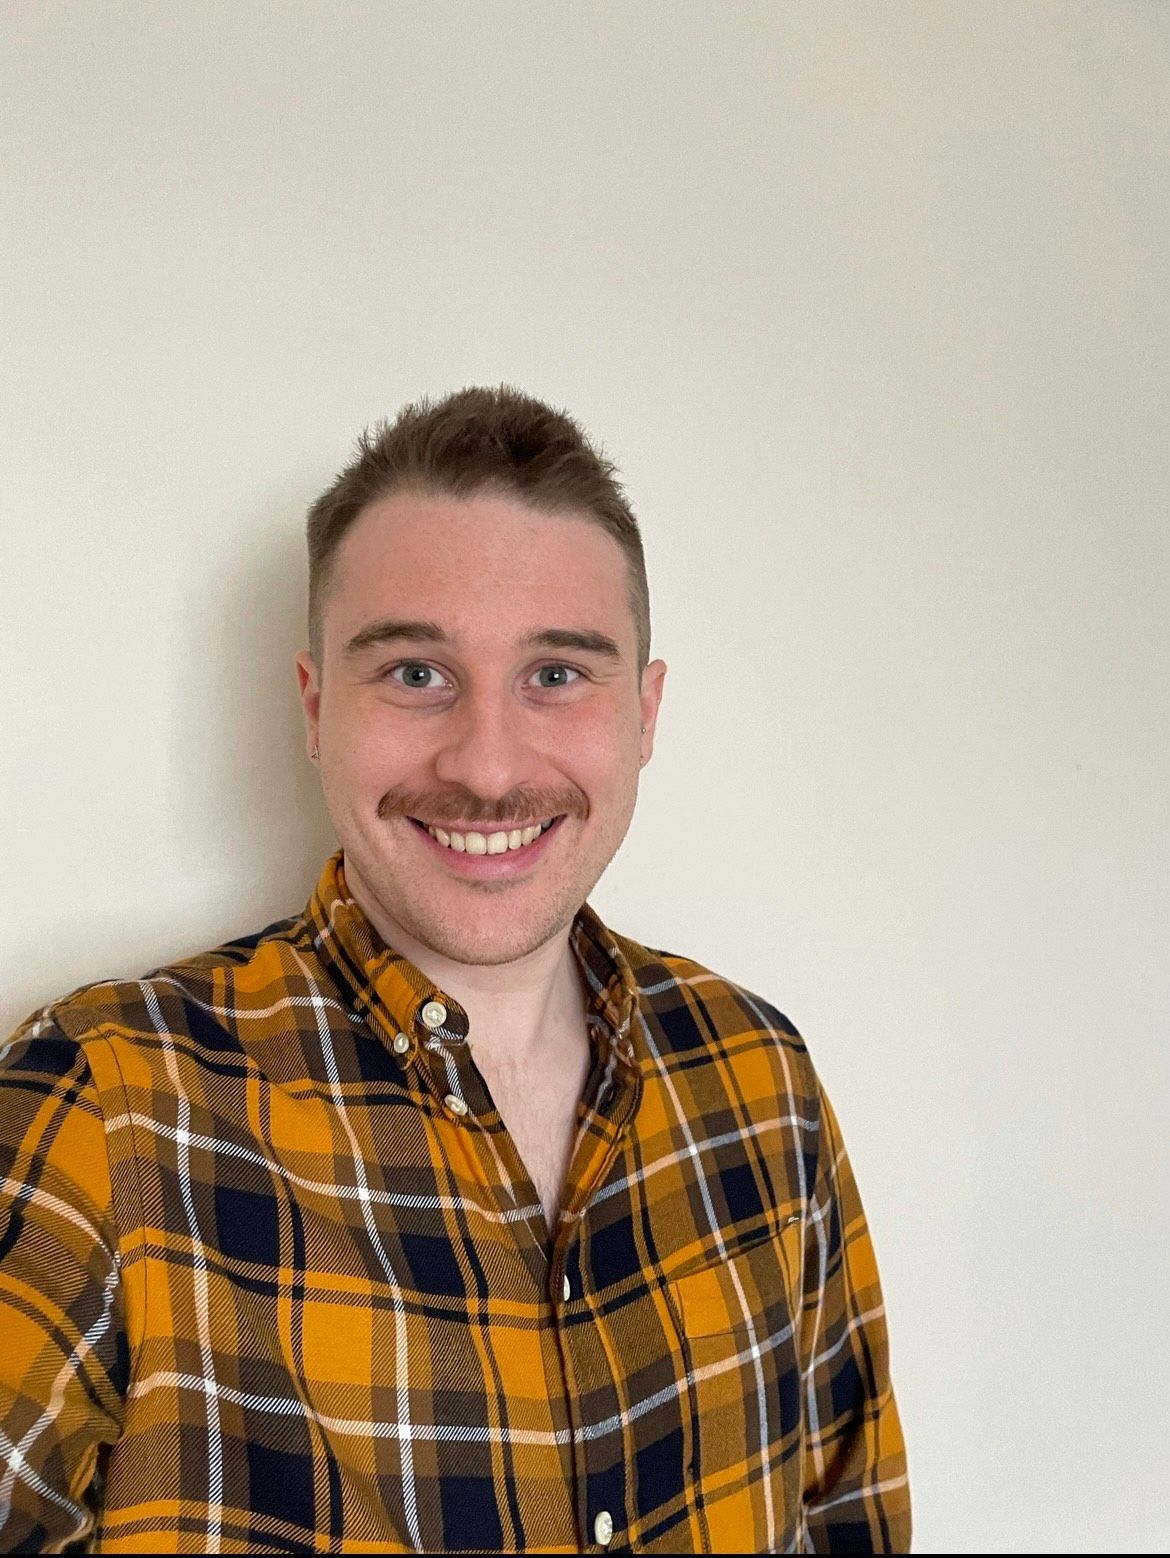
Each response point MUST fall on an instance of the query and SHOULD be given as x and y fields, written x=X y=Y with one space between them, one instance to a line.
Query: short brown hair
x=478 y=440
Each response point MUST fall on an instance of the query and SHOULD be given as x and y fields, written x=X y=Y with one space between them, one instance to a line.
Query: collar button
x=434 y=1014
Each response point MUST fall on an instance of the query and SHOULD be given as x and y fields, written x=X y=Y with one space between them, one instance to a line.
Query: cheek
x=590 y=751
x=370 y=746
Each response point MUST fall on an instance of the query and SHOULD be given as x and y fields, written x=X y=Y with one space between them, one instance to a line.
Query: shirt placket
x=612 y=1100
x=436 y=1047
x=612 y=1095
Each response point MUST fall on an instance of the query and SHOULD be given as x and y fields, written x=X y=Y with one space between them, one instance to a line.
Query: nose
x=484 y=748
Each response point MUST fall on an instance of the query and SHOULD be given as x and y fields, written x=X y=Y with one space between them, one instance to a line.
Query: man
x=441 y=1217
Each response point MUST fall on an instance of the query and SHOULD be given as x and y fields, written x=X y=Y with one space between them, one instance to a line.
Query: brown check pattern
x=265 y=1286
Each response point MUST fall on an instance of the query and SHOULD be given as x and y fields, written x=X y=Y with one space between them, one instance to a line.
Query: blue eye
x=418 y=676
x=560 y=671
x=417 y=671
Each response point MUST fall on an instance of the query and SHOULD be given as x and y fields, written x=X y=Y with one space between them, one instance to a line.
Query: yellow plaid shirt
x=273 y=1277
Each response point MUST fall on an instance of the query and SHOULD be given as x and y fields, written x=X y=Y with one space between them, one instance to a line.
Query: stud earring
x=316 y=753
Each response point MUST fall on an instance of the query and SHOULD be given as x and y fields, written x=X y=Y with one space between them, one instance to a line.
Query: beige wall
x=870 y=303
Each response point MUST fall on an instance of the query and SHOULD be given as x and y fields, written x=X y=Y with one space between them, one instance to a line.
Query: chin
x=486 y=946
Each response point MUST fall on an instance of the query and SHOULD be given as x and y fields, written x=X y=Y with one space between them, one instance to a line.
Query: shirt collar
x=396 y=998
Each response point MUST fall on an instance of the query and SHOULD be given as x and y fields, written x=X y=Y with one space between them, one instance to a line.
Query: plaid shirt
x=273 y=1276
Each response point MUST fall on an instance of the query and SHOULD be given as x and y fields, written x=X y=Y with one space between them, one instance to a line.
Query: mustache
x=461 y=806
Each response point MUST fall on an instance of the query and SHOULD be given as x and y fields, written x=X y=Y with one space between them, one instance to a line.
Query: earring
x=316 y=753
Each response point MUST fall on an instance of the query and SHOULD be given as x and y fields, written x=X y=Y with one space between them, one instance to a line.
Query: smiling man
x=440 y=1216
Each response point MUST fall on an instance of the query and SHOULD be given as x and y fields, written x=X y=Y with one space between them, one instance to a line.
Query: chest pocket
x=736 y=1320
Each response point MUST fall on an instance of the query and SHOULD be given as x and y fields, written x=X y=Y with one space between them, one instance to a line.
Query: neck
x=517 y=1011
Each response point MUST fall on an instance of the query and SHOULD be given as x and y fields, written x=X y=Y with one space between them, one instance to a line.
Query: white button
x=434 y=1014
x=401 y=1043
x=567 y=1290
x=603 y=1528
x=455 y=1104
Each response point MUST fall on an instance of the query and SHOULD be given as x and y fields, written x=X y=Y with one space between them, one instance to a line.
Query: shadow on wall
x=239 y=836
x=244 y=811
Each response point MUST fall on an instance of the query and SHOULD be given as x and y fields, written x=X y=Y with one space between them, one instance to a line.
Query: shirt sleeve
x=64 y=1361
x=856 y=1494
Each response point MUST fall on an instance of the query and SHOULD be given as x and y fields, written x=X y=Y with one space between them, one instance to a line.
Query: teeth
x=490 y=843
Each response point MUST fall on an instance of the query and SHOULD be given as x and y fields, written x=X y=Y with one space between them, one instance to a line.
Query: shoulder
x=668 y=981
x=694 y=1008
x=202 y=997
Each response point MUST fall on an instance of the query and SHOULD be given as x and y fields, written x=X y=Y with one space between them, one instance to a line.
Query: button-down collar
x=394 y=998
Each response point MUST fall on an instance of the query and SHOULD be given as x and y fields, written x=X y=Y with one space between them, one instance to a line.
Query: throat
x=537 y=1100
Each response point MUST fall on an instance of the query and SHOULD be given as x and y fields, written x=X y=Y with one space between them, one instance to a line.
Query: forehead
x=486 y=568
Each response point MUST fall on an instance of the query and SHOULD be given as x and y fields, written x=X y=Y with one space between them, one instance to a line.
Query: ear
x=310 y=685
x=652 y=679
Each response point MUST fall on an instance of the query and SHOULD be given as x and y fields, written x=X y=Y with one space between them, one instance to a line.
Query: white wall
x=870 y=303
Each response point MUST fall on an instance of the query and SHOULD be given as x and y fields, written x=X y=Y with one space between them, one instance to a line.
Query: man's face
x=442 y=704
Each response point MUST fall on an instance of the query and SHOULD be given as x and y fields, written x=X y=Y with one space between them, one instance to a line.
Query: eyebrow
x=423 y=631
x=389 y=629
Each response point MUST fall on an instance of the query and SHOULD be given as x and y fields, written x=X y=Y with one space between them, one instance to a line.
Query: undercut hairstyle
x=489 y=441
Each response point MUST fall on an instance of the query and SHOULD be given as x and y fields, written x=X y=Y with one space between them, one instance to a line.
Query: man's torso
x=343 y=1318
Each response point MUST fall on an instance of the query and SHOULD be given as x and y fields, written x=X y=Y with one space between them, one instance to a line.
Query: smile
x=501 y=842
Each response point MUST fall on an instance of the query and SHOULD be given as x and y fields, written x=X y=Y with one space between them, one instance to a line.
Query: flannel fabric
x=273 y=1277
